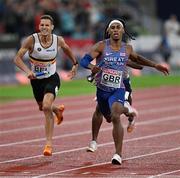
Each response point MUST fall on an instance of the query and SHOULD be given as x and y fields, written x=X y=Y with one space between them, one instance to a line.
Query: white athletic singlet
x=43 y=60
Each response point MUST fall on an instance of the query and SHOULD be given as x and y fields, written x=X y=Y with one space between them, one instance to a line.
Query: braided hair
x=106 y=34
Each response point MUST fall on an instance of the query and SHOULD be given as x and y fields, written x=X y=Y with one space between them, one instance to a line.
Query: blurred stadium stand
x=8 y=44
x=82 y=23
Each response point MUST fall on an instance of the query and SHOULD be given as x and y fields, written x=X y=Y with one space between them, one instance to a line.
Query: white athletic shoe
x=92 y=146
x=131 y=126
x=131 y=111
x=116 y=159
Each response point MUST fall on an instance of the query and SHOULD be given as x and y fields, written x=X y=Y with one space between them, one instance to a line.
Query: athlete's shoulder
x=100 y=45
x=28 y=41
x=60 y=40
x=102 y=42
x=129 y=46
x=60 y=37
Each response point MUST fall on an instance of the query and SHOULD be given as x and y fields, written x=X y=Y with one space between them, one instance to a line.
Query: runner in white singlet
x=43 y=48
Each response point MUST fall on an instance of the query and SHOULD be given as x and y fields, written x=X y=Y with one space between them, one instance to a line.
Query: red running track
x=151 y=150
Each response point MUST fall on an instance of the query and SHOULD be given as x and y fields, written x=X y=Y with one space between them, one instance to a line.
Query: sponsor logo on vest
x=50 y=50
x=39 y=49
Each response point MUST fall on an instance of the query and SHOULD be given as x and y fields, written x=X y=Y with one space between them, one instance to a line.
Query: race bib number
x=40 y=68
x=111 y=78
x=43 y=69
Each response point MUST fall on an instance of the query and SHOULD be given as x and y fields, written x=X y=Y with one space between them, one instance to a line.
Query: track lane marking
x=152 y=121
x=79 y=103
x=99 y=145
x=99 y=164
x=165 y=173
x=144 y=111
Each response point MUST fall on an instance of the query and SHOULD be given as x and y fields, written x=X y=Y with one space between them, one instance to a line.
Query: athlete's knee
x=116 y=113
x=46 y=107
x=115 y=117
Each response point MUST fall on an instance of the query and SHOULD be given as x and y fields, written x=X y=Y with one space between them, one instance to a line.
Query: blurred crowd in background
x=73 y=18
x=85 y=20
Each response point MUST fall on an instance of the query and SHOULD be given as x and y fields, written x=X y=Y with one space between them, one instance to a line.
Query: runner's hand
x=95 y=69
x=31 y=75
x=162 y=69
x=73 y=71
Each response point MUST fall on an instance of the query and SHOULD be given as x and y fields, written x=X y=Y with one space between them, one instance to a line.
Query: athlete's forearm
x=20 y=64
x=134 y=65
x=143 y=61
x=69 y=53
x=85 y=61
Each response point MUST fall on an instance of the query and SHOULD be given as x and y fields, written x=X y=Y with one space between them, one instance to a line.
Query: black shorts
x=127 y=84
x=46 y=85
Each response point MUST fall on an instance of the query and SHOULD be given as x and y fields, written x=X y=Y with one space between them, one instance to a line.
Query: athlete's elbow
x=16 y=60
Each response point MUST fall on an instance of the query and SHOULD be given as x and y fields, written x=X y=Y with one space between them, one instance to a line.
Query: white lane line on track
x=157 y=120
x=99 y=164
x=58 y=100
x=164 y=173
x=75 y=111
x=138 y=103
x=34 y=107
x=31 y=116
x=145 y=111
x=99 y=145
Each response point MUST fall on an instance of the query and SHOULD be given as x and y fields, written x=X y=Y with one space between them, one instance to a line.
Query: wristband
x=84 y=62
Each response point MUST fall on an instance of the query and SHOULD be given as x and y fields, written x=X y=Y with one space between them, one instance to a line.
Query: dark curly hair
x=106 y=34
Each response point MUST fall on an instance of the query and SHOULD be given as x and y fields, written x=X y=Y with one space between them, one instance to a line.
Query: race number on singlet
x=40 y=67
x=45 y=67
x=111 y=78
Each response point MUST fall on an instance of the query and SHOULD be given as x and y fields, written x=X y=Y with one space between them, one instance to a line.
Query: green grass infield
x=82 y=87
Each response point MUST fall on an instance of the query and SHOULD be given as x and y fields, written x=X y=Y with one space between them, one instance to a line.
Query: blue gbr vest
x=113 y=65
